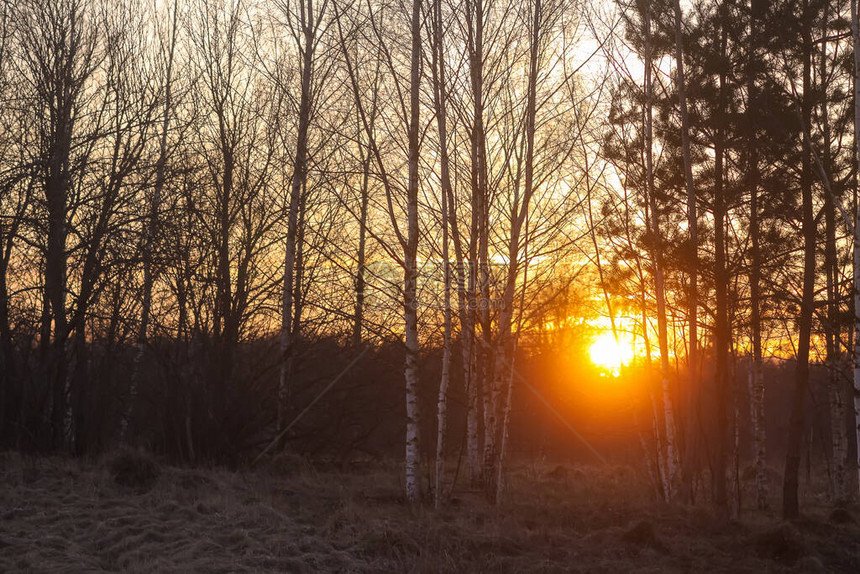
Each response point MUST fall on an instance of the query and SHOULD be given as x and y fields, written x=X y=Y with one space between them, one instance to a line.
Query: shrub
x=133 y=469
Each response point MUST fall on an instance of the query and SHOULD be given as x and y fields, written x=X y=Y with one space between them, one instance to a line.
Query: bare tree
x=307 y=25
x=58 y=57
x=152 y=223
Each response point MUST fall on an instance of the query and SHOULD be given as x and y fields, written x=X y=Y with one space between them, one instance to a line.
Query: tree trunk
x=480 y=378
x=440 y=98
x=150 y=235
x=505 y=355
x=489 y=393
x=855 y=31
x=358 y=319
x=410 y=271
x=665 y=402
x=692 y=225
x=756 y=374
x=791 y=506
x=838 y=429
x=287 y=336
x=56 y=190
x=722 y=343
x=442 y=404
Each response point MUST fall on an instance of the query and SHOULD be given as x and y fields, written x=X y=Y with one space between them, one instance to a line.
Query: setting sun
x=609 y=353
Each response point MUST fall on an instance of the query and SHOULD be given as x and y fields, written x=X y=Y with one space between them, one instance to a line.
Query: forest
x=477 y=246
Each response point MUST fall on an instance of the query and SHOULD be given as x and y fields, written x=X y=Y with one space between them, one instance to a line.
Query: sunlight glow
x=610 y=354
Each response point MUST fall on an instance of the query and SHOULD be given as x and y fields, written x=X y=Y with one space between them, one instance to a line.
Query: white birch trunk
x=442 y=403
x=440 y=98
x=506 y=420
x=410 y=272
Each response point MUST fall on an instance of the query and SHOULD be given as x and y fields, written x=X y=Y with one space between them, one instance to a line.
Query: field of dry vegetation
x=127 y=512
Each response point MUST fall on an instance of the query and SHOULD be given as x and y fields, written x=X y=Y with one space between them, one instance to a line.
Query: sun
x=609 y=353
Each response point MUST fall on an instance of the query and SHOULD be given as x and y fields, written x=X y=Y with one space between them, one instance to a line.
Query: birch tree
x=479 y=275
x=405 y=251
x=307 y=26
x=410 y=268
x=152 y=220
x=440 y=97
x=520 y=209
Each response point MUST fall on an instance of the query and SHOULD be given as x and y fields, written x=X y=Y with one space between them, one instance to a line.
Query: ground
x=116 y=514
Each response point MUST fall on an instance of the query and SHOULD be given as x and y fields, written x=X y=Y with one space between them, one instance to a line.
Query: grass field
x=124 y=514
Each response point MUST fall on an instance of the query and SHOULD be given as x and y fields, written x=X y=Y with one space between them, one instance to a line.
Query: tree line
x=198 y=196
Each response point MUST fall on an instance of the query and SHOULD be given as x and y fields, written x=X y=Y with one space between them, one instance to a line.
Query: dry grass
x=70 y=516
